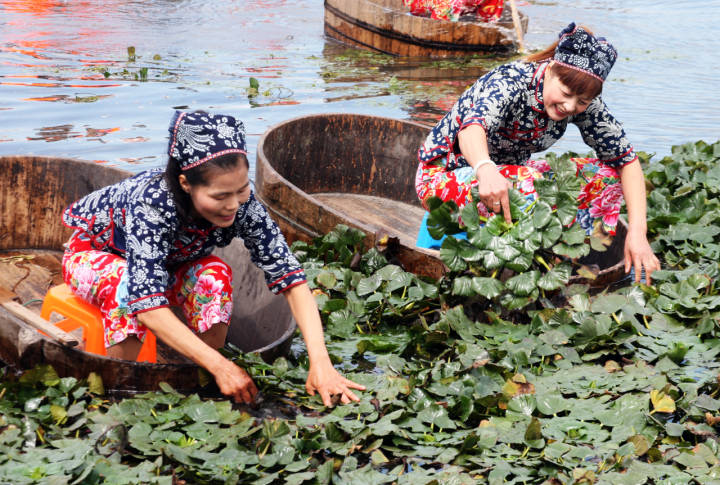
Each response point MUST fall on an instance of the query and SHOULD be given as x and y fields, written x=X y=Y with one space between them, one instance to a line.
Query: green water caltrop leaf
x=551 y=232
x=488 y=287
x=542 y=213
x=557 y=277
x=369 y=285
x=451 y=253
x=442 y=218
x=524 y=283
x=571 y=251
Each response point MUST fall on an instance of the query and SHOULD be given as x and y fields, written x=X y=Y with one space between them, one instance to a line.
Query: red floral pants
x=202 y=288
x=599 y=201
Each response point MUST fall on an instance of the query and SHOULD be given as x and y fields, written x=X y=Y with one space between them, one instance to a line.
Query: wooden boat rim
x=263 y=159
x=428 y=30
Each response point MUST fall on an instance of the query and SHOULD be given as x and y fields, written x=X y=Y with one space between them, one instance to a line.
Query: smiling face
x=560 y=101
x=218 y=199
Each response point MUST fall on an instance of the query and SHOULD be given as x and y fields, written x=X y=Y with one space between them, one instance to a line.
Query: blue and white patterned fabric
x=579 y=49
x=198 y=137
x=508 y=103
x=137 y=219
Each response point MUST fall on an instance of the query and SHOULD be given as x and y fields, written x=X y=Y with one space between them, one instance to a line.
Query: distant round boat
x=317 y=171
x=33 y=193
x=387 y=26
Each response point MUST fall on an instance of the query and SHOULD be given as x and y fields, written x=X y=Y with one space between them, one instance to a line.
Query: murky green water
x=69 y=87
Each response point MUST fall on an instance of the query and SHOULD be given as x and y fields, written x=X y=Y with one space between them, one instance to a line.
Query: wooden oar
x=7 y=301
x=518 y=26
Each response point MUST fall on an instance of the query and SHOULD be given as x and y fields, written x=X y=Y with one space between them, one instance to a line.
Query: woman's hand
x=327 y=381
x=322 y=376
x=639 y=254
x=235 y=382
x=231 y=379
x=493 y=190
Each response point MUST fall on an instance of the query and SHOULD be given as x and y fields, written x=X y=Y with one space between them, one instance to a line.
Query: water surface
x=70 y=87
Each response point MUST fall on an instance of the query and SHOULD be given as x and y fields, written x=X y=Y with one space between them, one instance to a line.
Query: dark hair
x=196 y=176
x=578 y=82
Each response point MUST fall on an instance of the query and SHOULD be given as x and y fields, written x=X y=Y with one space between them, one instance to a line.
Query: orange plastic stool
x=79 y=314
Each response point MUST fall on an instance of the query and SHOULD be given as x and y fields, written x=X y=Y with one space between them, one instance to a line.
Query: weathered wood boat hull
x=335 y=156
x=33 y=194
x=387 y=26
x=317 y=171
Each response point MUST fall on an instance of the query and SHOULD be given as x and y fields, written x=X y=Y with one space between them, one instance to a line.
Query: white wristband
x=487 y=161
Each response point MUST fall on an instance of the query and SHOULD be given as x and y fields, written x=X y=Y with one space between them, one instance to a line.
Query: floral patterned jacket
x=508 y=103
x=137 y=219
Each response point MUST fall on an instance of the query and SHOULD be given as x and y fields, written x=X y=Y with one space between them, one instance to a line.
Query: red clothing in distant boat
x=488 y=10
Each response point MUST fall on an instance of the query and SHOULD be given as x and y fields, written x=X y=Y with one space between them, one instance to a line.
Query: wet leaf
x=524 y=283
x=437 y=416
x=369 y=285
x=522 y=404
x=551 y=233
x=542 y=214
x=557 y=277
x=452 y=253
x=488 y=287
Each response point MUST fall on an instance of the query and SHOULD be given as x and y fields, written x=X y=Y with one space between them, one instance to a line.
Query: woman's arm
x=322 y=376
x=492 y=186
x=231 y=380
x=638 y=253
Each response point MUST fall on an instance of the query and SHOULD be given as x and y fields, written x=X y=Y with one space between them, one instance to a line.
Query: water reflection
x=55 y=133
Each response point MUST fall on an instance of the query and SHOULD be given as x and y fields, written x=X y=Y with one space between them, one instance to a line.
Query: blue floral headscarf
x=579 y=49
x=198 y=137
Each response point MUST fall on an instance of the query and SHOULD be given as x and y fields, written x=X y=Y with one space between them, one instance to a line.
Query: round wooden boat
x=317 y=171
x=33 y=193
x=387 y=26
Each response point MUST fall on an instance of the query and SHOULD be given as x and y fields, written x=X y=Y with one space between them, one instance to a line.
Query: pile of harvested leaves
x=499 y=373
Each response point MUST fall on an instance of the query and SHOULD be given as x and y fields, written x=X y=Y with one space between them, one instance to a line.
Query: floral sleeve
x=148 y=247
x=490 y=99
x=486 y=103
x=604 y=134
x=267 y=247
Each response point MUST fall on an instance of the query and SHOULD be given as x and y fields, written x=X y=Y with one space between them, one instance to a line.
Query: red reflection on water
x=26 y=52
x=69 y=99
x=30 y=84
x=32 y=37
x=99 y=132
x=61 y=85
x=35 y=7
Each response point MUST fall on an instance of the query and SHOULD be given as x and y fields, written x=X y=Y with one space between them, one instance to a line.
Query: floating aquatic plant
x=613 y=388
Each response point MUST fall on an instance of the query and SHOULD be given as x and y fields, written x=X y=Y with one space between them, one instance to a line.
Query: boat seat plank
x=389 y=216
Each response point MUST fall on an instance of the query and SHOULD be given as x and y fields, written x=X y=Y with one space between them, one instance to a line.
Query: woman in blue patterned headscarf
x=145 y=244
x=524 y=107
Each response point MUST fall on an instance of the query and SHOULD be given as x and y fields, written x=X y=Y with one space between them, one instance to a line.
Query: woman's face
x=219 y=199
x=560 y=102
